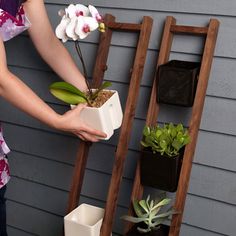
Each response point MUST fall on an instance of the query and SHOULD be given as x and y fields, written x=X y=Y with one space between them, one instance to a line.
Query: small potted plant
x=149 y=221
x=162 y=153
x=177 y=82
x=104 y=110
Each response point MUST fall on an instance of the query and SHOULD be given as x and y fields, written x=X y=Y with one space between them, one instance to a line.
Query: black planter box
x=177 y=82
x=162 y=231
x=160 y=171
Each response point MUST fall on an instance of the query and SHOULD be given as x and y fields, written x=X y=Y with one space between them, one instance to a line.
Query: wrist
x=56 y=122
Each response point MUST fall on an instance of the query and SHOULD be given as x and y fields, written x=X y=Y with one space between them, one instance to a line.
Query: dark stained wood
x=83 y=150
x=125 y=133
x=162 y=58
x=100 y=67
x=153 y=109
x=124 y=26
x=102 y=52
x=194 y=126
x=78 y=175
x=182 y=29
x=169 y=30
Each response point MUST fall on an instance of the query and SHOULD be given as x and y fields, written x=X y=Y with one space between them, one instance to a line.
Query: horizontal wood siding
x=42 y=159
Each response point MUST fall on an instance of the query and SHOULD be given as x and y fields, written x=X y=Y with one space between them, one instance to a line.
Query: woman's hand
x=71 y=122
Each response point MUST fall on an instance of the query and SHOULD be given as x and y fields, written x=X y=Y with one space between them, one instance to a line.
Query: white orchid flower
x=61 y=29
x=85 y=25
x=70 y=28
x=77 y=10
x=95 y=14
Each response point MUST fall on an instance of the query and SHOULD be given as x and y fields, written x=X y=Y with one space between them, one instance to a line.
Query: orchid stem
x=79 y=52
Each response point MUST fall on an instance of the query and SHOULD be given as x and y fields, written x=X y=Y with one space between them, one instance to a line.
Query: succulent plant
x=148 y=212
x=167 y=140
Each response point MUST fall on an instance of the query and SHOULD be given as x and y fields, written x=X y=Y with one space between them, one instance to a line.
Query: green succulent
x=148 y=212
x=167 y=140
x=70 y=94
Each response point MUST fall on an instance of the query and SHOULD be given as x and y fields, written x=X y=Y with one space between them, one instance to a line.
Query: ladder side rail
x=102 y=52
x=125 y=133
x=194 y=126
x=153 y=110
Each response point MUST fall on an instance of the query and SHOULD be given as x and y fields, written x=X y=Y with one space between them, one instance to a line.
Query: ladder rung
x=124 y=26
x=182 y=29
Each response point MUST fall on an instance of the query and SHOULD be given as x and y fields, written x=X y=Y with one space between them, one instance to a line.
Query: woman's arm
x=49 y=46
x=22 y=97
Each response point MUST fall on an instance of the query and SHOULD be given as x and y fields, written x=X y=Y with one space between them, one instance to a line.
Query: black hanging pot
x=177 y=82
x=163 y=230
x=160 y=171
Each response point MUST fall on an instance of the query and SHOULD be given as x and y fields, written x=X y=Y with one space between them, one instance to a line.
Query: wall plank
x=42 y=158
x=33 y=194
x=183 y=6
x=16 y=232
x=33 y=220
x=193 y=231
x=208 y=214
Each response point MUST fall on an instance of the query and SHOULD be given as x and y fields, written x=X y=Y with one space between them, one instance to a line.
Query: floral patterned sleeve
x=4 y=167
x=10 y=26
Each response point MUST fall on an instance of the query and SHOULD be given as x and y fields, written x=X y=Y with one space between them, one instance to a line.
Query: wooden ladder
x=144 y=30
x=210 y=33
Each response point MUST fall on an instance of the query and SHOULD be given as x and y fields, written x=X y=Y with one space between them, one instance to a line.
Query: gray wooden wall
x=42 y=159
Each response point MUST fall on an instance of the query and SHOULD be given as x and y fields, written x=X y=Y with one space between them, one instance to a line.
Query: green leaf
x=143 y=204
x=67 y=87
x=151 y=204
x=154 y=212
x=176 y=144
x=137 y=208
x=179 y=127
x=163 y=202
x=146 y=131
x=165 y=214
x=68 y=97
x=147 y=202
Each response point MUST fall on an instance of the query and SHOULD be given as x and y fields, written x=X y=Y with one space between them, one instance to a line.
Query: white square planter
x=106 y=118
x=85 y=220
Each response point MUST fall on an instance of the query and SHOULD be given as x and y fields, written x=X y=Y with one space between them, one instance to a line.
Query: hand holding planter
x=104 y=112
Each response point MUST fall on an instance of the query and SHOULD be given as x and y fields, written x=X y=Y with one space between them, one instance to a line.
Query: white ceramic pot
x=106 y=118
x=85 y=220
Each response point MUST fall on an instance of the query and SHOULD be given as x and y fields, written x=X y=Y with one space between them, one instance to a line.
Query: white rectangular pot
x=106 y=118
x=85 y=220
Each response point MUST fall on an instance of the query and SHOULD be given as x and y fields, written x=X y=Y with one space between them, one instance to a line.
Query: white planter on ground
x=85 y=220
x=106 y=118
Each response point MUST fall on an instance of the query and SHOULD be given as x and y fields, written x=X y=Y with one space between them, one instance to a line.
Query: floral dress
x=10 y=26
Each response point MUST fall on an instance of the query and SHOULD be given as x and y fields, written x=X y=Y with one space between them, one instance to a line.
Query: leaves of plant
x=137 y=208
x=168 y=139
x=143 y=204
x=67 y=87
x=68 y=97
